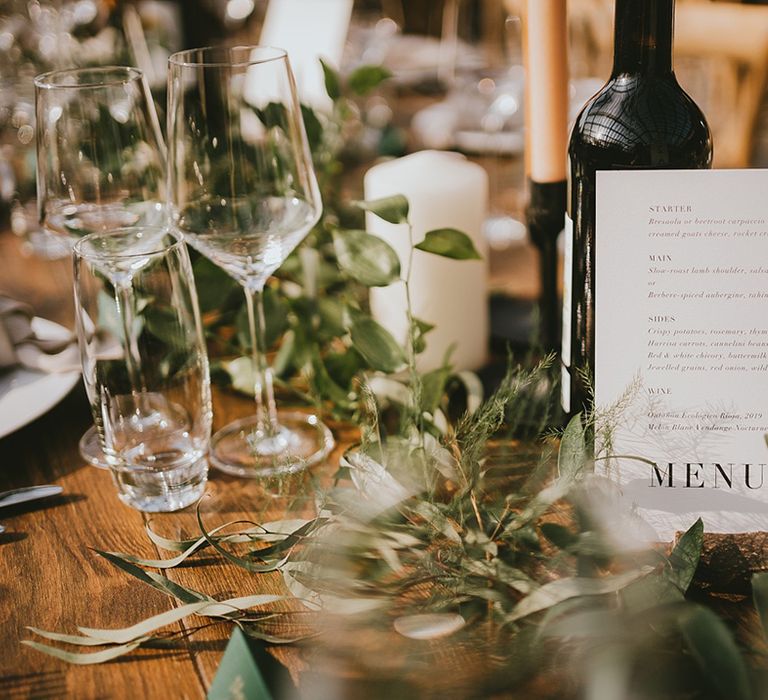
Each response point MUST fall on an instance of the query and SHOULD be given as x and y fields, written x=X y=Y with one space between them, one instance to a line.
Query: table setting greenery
x=464 y=522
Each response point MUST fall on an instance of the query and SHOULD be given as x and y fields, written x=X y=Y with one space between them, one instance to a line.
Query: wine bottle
x=640 y=119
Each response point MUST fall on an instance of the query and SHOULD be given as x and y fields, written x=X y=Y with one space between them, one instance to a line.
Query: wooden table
x=50 y=579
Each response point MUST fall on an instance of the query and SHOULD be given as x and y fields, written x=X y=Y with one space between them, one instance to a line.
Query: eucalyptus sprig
x=535 y=566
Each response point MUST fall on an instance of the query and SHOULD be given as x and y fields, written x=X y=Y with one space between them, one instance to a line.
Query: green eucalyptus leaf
x=420 y=329
x=364 y=79
x=714 y=649
x=366 y=258
x=376 y=344
x=558 y=535
x=275 y=319
x=566 y=588
x=214 y=286
x=393 y=209
x=429 y=626
x=254 y=633
x=324 y=384
x=238 y=561
x=145 y=627
x=313 y=127
x=449 y=243
x=343 y=367
x=73 y=639
x=157 y=581
x=332 y=81
x=684 y=558
x=83 y=659
x=573 y=449
x=331 y=312
x=760 y=596
x=433 y=388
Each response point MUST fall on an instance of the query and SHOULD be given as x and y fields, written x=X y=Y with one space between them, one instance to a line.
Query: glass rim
x=80 y=243
x=185 y=58
x=122 y=75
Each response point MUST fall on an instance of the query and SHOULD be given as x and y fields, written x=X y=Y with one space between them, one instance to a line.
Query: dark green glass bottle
x=641 y=119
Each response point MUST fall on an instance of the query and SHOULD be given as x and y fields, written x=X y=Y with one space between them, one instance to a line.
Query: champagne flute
x=243 y=192
x=100 y=165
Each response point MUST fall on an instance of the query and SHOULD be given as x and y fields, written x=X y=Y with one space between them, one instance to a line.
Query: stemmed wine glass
x=243 y=192
x=100 y=165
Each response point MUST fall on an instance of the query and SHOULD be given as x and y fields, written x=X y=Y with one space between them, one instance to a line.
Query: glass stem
x=124 y=301
x=266 y=411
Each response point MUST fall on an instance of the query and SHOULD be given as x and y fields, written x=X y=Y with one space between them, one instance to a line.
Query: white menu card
x=681 y=344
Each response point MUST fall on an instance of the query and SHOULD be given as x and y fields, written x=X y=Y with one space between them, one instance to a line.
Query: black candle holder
x=545 y=215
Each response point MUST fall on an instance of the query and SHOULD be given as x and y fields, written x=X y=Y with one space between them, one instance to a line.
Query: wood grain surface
x=49 y=577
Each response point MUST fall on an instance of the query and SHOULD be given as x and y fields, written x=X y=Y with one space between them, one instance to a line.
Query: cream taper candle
x=546 y=89
x=444 y=190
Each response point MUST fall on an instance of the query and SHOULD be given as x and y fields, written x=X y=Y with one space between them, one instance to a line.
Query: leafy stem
x=415 y=377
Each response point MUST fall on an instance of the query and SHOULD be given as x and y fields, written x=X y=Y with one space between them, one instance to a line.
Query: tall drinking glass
x=145 y=365
x=243 y=192
x=100 y=164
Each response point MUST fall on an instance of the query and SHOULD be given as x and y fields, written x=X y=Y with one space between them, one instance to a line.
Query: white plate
x=25 y=394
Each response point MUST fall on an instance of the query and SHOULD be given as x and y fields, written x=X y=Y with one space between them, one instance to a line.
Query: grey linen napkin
x=19 y=345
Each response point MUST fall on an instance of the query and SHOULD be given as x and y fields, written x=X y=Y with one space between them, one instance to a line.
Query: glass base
x=163 y=491
x=90 y=449
x=241 y=450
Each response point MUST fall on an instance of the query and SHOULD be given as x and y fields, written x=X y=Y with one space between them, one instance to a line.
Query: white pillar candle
x=444 y=190
x=546 y=89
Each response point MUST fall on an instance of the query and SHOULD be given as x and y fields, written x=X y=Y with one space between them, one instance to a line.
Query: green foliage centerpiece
x=439 y=529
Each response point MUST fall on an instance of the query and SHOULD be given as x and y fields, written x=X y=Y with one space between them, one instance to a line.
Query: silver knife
x=31 y=493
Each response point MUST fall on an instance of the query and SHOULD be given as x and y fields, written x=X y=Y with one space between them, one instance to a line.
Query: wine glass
x=243 y=192
x=100 y=153
x=100 y=165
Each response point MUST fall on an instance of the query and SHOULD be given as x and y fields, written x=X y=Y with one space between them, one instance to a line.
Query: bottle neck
x=643 y=37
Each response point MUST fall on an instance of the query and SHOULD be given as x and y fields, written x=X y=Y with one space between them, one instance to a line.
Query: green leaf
x=332 y=82
x=366 y=258
x=566 y=588
x=68 y=638
x=449 y=243
x=433 y=388
x=214 y=286
x=380 y=350
x=760 y=596
x=331 y=312
x=313 y=127
x=366 y=78
x=685 y=557
x=144 y=628
x=558 y=535
x=573 y=449
x=275 y=319
x=80 y=659
x=342 y=367
x=393 y=209
x=714 y=649
x=238 y=561
x=420 y=329
x=157 y=581
x=429 y=626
